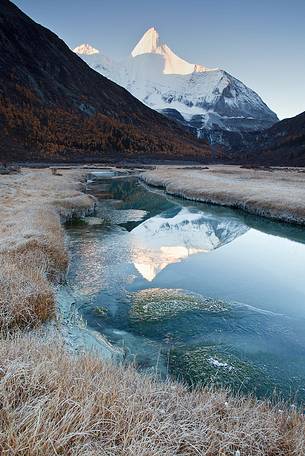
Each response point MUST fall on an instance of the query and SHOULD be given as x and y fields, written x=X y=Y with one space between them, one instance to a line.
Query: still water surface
x=202 y=293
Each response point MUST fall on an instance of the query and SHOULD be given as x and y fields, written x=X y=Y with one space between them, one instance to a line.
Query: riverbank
x=53 y=402
x=278 y=194
x=33 y=257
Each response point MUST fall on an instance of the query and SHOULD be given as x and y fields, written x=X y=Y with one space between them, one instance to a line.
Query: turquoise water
x=201 y=293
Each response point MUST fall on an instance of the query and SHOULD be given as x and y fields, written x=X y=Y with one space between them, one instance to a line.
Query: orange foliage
x=53 y=132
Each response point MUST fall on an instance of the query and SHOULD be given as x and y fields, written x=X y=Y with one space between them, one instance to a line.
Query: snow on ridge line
x=86 y=49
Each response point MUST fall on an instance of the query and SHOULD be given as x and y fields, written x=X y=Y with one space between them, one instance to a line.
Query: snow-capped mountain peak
x=86 y=49
x=211 y=102
x=150 y=44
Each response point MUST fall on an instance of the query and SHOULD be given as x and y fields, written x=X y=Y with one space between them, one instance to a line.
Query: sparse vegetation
x=160 y=303
x=55 y=402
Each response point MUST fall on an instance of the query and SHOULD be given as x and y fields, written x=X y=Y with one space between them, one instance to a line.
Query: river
x=200 y=293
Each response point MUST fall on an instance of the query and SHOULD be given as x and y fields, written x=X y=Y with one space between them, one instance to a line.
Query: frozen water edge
x=75 y=332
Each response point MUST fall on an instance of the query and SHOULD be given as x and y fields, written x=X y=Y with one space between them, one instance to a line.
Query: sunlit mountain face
x=209 y=101
x=177 y=234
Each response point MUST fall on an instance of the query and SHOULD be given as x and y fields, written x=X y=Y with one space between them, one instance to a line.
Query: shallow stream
x=202 y=293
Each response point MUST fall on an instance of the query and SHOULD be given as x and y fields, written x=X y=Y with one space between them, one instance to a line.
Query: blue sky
x=262 y=43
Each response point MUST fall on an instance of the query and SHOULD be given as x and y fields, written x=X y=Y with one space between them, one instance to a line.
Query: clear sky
x=261 y=42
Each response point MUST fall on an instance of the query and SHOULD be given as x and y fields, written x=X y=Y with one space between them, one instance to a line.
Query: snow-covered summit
x=85 y=49
x=150 y=44
x=210 y=101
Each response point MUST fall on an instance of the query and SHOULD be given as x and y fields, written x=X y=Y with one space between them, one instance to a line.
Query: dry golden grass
x=276 y=193
x=56 y=403
x=32 y=251
x=26 y=297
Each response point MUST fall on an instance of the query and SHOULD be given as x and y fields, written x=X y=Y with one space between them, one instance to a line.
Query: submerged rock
x=160 y=303
x=101 y=311
x=214 y=366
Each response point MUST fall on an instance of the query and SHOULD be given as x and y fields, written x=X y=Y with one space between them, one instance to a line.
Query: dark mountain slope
x=282 y=144
x=53 y=106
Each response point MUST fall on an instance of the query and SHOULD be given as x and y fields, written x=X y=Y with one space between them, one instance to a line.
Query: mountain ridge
x=283 y=143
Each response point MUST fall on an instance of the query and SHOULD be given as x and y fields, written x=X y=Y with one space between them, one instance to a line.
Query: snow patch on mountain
x=85 y=49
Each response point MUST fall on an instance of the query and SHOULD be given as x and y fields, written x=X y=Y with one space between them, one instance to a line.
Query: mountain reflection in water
x=207 y=294
x=176 y=234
